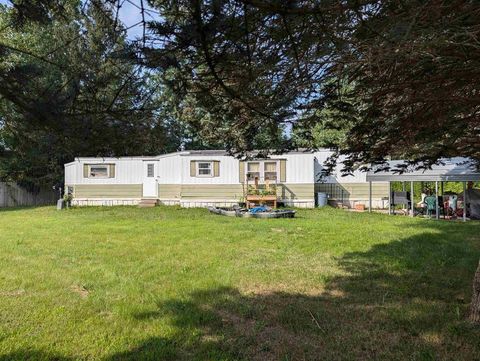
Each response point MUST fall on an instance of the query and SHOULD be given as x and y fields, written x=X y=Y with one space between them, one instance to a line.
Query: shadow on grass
x=33 y=355
x=406 y=299
x=403 y=300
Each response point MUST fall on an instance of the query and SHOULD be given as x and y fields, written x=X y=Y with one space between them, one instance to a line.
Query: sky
x=129 y=14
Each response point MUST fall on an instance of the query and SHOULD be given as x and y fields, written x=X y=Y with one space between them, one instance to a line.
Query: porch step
x=148 y=202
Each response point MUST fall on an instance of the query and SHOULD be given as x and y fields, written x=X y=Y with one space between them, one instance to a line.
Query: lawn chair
x=431 y=202
x=400 y=198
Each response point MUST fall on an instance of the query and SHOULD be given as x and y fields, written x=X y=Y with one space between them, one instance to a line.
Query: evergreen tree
x=71 y=87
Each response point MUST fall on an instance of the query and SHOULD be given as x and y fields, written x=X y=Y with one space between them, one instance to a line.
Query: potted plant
x=67 y=198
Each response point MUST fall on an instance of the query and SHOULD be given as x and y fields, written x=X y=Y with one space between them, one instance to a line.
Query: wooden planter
x=254 y=198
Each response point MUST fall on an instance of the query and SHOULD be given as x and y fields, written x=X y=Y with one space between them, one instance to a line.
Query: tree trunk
x=475 y=306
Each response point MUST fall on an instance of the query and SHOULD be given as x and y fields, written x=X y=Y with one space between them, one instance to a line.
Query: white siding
x=229 y=169
x=336 y=176
x=170 y=170
x=127 y=171
x=70 y=170
x=299 y=167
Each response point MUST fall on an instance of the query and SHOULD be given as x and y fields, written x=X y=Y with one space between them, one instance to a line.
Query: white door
x=150 y=184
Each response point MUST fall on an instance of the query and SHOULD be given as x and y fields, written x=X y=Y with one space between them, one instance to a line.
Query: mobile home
x=209 y=177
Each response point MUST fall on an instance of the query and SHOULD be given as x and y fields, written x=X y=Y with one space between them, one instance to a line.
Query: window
x=204 y=169
x=262 y=170
x=253 y=170
x=98 y=171
x=150 y=170
x=270 y=169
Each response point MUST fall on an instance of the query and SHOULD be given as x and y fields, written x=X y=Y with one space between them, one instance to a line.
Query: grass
x=182 y=284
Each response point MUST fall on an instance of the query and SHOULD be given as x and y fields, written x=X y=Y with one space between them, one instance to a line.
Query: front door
x=150 y=185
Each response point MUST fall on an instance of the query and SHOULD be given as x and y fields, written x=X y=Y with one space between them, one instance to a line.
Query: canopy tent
x=449 y=170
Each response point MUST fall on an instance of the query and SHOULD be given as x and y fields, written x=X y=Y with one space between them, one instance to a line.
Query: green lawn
x=182 y=284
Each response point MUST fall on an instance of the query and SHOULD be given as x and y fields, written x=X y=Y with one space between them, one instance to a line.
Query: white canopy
x=451 y=170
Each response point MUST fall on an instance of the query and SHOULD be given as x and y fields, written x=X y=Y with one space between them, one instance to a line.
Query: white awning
x=451 y=170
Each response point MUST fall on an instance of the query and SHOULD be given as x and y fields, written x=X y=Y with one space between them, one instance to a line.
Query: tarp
x=259 y=209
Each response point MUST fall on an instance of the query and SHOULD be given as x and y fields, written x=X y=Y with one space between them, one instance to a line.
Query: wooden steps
x=148 y=202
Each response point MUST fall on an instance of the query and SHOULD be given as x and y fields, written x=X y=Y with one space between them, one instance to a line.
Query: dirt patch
x=80 y=290
x=254 y=289
x=14 y=293
x=266 y=340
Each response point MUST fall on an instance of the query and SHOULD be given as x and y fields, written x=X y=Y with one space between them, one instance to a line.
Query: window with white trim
x=204 y=169
x=262 y=170
x=253 y=170
x=98 y=171
x=270 y=170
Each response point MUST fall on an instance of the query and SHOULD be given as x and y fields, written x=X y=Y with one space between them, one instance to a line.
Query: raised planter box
x=254 y=198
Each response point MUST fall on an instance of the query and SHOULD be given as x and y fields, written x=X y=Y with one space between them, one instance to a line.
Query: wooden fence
x=12 y=195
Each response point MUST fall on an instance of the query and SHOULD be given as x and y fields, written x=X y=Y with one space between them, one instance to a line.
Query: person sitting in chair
x=422 y=205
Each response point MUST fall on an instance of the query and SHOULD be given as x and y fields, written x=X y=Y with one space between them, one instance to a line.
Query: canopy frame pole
x=437 y=216
x=464 y=201
x=370 y=197
x=443 y=203
x=412 y=204
x=389 y=197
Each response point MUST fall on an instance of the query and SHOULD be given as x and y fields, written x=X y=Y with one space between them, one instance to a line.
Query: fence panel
x=12 y=195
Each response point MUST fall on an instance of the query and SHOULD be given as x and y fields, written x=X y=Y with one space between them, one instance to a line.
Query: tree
x=196 y=127
x=250 y=64
x=327 y=127
x=238 y=69
x=414 y=68
x=86 y=97
x=475 y=305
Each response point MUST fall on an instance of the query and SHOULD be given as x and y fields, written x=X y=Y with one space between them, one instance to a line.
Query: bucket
x=322 y=199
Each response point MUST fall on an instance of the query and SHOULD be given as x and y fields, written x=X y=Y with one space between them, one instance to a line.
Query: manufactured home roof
x=206 y=152
x=141 y=157
x=452 y=170
x=225 y=153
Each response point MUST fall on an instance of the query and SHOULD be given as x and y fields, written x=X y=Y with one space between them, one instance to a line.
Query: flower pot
x=360 y=207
